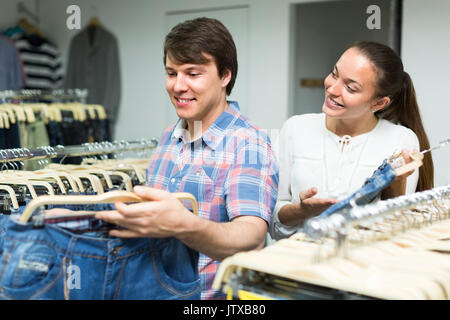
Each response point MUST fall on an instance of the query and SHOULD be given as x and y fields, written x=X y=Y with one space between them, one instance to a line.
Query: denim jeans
x=51 y=262
x=3 y=221
x=371 y=189
x=55 y=133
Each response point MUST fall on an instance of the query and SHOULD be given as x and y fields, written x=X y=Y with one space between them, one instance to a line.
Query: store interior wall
x=323 y=31
x=426 y=57
x=140 y=26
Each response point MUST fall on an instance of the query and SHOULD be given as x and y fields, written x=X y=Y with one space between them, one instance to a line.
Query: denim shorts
x=51 y=262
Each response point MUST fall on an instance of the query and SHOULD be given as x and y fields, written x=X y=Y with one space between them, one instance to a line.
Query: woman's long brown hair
x=396 y=84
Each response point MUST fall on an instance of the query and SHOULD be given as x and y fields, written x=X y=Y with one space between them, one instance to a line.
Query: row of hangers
x=101 y=171
x=29 y=113
x=95 y=175
x=26 y=106
x=393 y=249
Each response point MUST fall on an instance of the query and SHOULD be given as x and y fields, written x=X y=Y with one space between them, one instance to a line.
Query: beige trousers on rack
x=32 y=136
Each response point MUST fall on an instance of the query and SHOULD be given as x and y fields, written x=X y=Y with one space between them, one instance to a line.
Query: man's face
x=196 y=90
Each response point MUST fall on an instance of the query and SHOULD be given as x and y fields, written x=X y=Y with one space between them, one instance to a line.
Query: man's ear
x=381 y=104
x=226 y=78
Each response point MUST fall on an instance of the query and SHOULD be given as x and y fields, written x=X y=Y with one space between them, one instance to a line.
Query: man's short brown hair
x=188 y=41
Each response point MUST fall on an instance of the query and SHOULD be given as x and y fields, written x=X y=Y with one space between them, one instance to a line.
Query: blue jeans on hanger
x=51 y=262
x=371 y=189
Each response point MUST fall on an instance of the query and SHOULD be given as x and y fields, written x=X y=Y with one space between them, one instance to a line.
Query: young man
x=212 y=152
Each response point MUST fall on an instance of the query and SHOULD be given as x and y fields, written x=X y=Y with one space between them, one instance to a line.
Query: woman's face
x=350 y=88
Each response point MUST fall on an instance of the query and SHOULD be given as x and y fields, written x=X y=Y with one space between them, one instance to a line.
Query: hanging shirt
x=94 y=64
x=231 y=170
x=42 y=62
x=312 y=156
x=12 y=76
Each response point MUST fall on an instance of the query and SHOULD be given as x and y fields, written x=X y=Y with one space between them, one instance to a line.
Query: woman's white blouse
x=312 y=156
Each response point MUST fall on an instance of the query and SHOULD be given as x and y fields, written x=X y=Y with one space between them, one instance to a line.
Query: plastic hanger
x=414 y=164
x=5 y=119
x=12 y=195
x=61 y=174
x=76 y=183
x=94 y=22
x=108 y=197
x=95 y=171
x=128 y=168
x=38 y=175
x=93 y=180
x=20 y=183
x=126 y=179
x=77 y=176
x=7 y=107
x=28 y=27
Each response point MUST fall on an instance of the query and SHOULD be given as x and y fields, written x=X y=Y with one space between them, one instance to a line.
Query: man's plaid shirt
x=231 y=170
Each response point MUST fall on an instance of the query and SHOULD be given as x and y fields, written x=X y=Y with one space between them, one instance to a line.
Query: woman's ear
x=381 y=104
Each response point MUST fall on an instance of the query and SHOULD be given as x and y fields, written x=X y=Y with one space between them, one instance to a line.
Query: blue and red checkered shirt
x=231 y=170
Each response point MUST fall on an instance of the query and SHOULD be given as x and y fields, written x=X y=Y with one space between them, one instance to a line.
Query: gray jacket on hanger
x=94 y=64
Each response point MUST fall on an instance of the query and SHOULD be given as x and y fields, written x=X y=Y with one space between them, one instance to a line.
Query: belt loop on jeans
x=67 y=258
x=65 y=278
x=38 y=218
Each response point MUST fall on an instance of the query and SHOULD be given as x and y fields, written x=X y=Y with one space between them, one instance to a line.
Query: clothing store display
x=36 y=136
x=32 y=123
x=47 y=252
x=10 y=137
x=312 y=156
x=373 y=186
x=94 y=63
x=12 y=76
x=230 y=170
x=42 y=62
x=36 y=264
x=393 y=249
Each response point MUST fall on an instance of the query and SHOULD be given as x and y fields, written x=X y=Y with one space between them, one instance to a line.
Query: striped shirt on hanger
x=42 y=62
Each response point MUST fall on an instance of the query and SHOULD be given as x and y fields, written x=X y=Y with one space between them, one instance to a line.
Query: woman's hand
x=295 y=214
x=408 y=158
x=398 y=186
x=310 y=206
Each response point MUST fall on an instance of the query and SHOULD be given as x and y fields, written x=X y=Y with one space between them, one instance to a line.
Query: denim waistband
x=82 y=244
x=51 y=262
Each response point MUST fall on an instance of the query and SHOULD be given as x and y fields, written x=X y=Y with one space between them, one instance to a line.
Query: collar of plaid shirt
x=216 y=132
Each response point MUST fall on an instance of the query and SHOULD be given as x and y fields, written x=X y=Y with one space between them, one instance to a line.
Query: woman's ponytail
x=396 y=84
x=408 y=115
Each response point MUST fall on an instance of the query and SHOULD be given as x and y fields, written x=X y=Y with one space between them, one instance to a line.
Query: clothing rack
x=335 y=226
x=87 y=149
x=57 y=95
x=22 y=154
x=335 y=257
x=103 y=148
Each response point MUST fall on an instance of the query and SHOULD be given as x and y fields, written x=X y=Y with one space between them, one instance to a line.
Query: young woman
x=370 y=111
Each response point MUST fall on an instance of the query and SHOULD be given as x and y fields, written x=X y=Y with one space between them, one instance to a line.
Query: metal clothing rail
x=335 y=225
x=87 y=149
x=52 y=95
x=21 y=154
x=101 y=148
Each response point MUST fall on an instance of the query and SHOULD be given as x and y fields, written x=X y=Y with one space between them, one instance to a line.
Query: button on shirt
x=231 y=170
